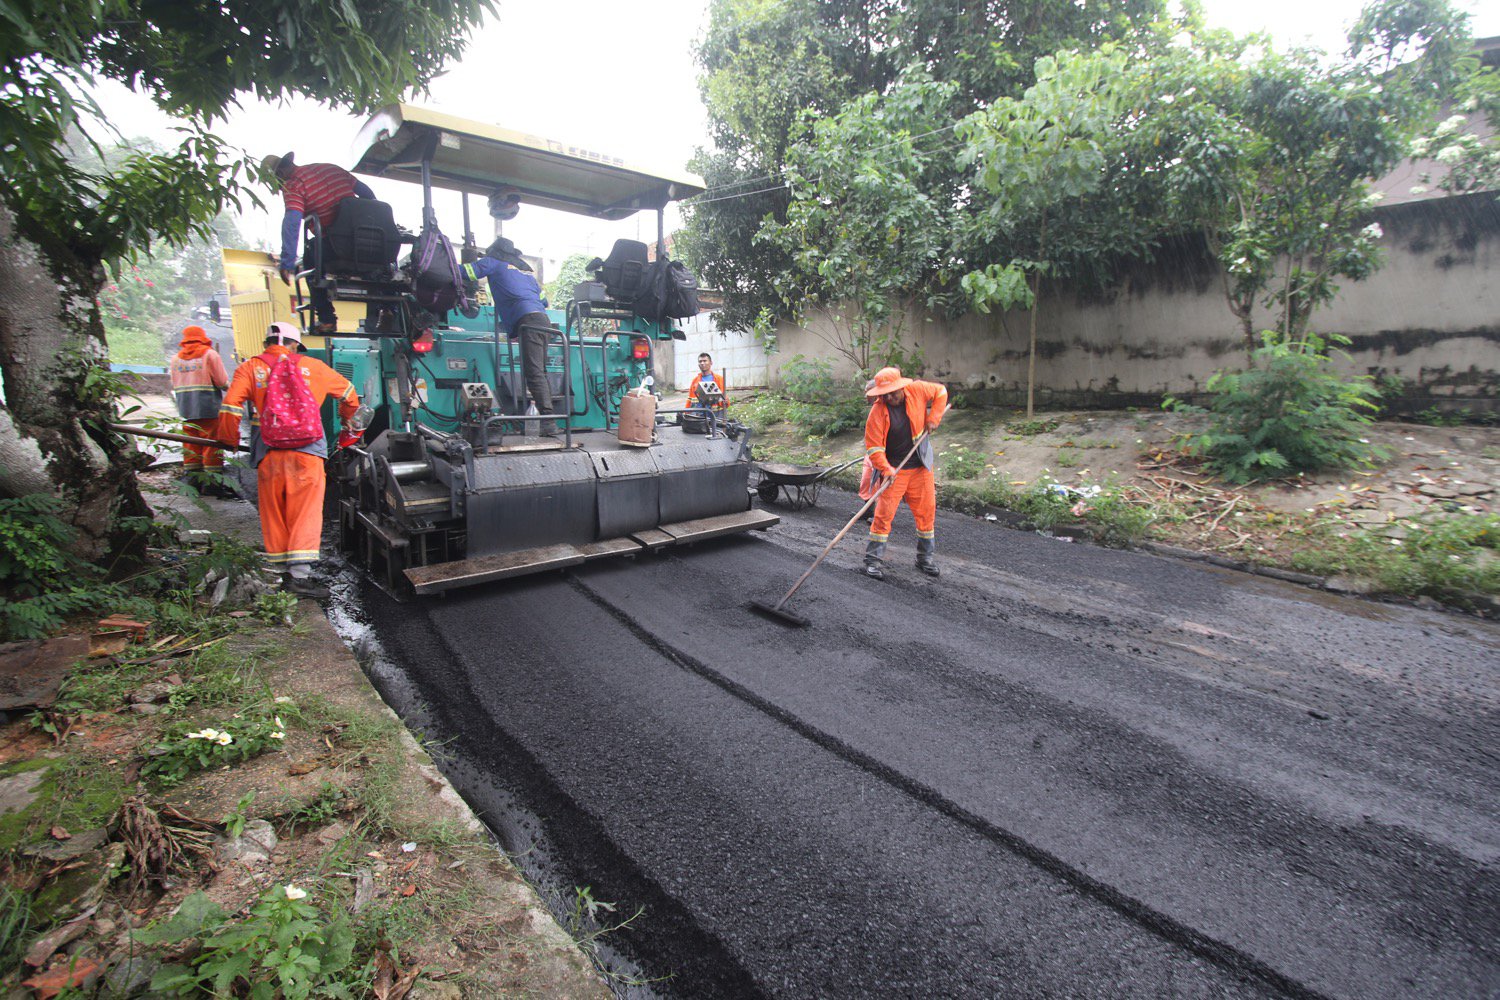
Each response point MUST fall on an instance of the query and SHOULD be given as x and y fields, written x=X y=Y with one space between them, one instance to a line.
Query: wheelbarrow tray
x=791 y=475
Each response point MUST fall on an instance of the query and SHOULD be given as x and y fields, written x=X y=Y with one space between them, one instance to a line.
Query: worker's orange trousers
x=290 y=486
x=919 y=490
x=197 y=457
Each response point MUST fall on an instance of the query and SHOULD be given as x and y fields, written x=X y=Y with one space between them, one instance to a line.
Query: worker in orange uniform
x=198 y=383
x=715 y=388
x=289 y=482
x=903 y=410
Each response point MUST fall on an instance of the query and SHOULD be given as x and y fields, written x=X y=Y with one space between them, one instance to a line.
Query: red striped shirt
x=317 y=189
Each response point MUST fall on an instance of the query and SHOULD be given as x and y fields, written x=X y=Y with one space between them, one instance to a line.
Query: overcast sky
x=611 y=78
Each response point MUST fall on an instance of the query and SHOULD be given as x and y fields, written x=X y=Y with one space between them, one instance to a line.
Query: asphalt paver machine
x=454 y=487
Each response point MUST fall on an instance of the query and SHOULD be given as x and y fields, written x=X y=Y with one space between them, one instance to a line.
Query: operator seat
x=362 y=241
x=623 y=271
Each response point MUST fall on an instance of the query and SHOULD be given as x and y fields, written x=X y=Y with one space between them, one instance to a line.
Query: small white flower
x=1373 y=231
x=279 y=723
x=292 y=892
x=204 y=734
x=283 y=700
x=278 y=736
x=223 y=739
x=1451 y=125
x=1450 y=155
x=409 y=846
x=1395 y=541
x=1419 y=189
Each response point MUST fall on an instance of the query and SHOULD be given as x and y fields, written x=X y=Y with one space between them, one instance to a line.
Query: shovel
x=777 y=611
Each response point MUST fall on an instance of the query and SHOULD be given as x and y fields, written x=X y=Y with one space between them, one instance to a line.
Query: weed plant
x=286 y=947
x=1112 y=516
x=813 y=400
x=958 y=462
x=15 y=925
x=185 y=750
x=1451 y=557
x=1031 y=428
x=45 y=581
x=1289 y=412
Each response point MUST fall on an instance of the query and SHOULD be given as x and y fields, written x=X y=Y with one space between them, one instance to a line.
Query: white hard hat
x=284 y=333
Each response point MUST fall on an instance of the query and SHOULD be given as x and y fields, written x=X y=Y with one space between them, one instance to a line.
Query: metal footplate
x=438 y=577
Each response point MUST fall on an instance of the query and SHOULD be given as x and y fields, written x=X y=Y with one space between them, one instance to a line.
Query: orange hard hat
x=887 y=380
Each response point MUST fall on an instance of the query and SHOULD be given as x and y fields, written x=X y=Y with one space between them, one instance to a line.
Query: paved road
x=1057 y=771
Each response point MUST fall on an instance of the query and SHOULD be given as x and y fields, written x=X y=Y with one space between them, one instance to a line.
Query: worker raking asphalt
x=1055 y=770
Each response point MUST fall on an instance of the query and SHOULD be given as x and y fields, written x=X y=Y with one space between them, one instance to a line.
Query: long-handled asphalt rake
x=777 y=611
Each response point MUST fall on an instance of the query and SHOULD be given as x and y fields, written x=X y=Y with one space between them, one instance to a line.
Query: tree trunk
x=1036 y=294
x=52 y=436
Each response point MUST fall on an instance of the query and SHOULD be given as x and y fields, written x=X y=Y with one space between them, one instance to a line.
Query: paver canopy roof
x=482 y=159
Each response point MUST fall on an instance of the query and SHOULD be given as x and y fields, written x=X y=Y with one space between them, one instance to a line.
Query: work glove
x=348 y=438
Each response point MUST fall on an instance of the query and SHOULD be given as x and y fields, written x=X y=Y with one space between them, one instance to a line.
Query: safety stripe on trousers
x=880 y=538
x=302 y=555
x=926 y=534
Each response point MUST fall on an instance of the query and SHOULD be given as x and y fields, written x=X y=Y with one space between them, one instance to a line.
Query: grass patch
x=1450 y=557
x=1031 y=428
x=1115 y=516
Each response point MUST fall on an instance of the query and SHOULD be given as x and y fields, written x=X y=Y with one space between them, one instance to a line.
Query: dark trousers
x=321 y=303
x=535 y=328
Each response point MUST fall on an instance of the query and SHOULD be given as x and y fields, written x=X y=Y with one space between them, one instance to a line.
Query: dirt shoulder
x=318 y=797
x=1432 y=482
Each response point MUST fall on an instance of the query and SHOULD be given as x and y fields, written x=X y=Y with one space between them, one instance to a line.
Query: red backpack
x=290 y=418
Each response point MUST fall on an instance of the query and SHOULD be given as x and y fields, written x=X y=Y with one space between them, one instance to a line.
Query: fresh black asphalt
x=1058 y=770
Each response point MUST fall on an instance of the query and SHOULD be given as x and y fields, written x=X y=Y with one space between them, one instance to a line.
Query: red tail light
x=423 y=343
x=640 y=348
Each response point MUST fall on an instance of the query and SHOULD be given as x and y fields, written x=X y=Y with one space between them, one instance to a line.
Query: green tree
x=570 y=272
x=868 y=221
x=766 y=62
x=61 y=222
x=1270 y=155
x=1039 y=158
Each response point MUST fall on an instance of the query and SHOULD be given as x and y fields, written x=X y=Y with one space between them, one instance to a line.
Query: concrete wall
x=739 y=356
x=1431 y=316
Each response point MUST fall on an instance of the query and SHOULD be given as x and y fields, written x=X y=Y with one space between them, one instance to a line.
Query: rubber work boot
x=874 y=558
x=926 y=556
x=303 y=586
x=873 y=569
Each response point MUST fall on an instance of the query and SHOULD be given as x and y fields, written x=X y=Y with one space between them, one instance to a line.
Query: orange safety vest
x=919 y=397
x=717 y=380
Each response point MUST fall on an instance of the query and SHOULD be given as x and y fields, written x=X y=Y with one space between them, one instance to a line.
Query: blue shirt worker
x=518 y=300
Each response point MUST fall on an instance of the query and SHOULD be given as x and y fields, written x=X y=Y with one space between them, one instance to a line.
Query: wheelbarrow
x=797 y=483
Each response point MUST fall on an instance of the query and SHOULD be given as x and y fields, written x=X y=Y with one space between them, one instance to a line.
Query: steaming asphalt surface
x=1059 y=770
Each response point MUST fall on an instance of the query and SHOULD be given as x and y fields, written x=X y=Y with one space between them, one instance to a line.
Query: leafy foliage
x=358 y=55
x=44 y=581
x=285 y=947
x=1291 y=412
x=1269 y=154
x=1451 y=557
x=959 y=462
x=868 y=217
x=1041 y=158
x=774 y=68
x=185 y=750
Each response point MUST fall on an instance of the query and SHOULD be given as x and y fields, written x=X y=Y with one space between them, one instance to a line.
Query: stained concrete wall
x=1430 y=316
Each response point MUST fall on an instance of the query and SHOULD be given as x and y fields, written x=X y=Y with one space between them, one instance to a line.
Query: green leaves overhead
x=195 y=60
x=773 y=68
